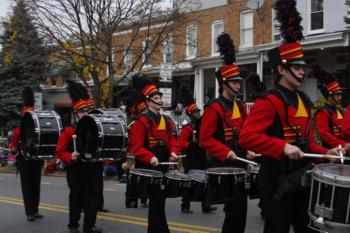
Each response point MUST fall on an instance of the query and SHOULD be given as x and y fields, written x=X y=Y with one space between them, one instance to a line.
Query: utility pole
x=347 y=21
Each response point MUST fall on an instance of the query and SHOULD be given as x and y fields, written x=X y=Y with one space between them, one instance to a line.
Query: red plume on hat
x=230 y=71
x=290 y=51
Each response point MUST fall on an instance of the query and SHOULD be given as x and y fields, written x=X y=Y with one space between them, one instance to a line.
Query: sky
x=5 y=7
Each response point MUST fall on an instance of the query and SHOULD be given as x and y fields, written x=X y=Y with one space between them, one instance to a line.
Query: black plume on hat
x=139 y=82
x=289 y=18
x=257 y=84
x=226 y=48
x=28 y=96
x=77 y=91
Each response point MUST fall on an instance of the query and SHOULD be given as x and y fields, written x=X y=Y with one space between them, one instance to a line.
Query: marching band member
x=220 y=126
x=196 y=157
x=136 y=109
x=329 y=118
x=83 y=178
x=279 y=127
x=29 y=170
x=151 y=141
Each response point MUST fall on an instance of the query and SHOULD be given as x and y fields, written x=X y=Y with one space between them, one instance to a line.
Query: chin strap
x=157 y=103
x=300 y=80
x=335 y=101
x=234 y=92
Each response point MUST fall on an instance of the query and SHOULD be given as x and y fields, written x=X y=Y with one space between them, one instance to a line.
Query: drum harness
x=293 y=174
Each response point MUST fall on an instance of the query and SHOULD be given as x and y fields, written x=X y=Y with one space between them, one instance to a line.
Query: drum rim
x=327 y=176
x=240 y=171
x=329 y=223
x=185 y=177
x=138 y=171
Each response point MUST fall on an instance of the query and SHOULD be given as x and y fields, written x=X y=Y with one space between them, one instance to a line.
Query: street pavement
x=54 y=203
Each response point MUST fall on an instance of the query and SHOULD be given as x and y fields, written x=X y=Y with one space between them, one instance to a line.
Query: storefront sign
x=166 y=96
x=165 y=73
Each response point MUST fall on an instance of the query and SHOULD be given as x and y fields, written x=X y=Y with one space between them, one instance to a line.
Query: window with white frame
x=246 y=32
x=147 y=52
x=276 y=34
x=316 y=21
x=216 y=29
x=127 y=63
x=167 y=49
x=191 y=42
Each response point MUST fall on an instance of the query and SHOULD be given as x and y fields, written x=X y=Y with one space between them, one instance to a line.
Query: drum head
x=225 y=171
x=146 y=172
x=334 y=173
x=198 y=175
x=112 y=112
x=176 y=175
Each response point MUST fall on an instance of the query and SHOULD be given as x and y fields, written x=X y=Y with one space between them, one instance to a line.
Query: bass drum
x=39 y=134
x=101 y=137
x=113 y=112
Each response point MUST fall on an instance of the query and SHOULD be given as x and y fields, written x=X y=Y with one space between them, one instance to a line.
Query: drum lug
x=317 y=225
x=219 y=179
x=323 y=211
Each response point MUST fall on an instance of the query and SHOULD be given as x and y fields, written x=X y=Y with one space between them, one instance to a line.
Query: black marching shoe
x=31 y=218
x=38 y=215
x=93 y=230
x=208 y=209
x=103 y=210
x=74 y=230
x=186 y=210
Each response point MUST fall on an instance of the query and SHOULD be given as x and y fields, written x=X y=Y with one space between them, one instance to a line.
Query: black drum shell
x=176 y=184
x=102 y=137
x=40 y=131
x=224 y=187
x=144 y=185
x=198 y=191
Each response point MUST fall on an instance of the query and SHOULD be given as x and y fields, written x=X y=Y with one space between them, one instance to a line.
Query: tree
x=83 y=31
x=23 y=60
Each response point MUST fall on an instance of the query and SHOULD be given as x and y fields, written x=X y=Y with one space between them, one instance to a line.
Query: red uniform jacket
x=330 y=127
x=186 y=136
x=15 y=140
x=64 y=144
x=266 y=115
x=214 y=113
x=346 y=124
x=141 y=131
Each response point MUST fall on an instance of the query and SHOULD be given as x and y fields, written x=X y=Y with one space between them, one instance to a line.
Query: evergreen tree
x=24 y=60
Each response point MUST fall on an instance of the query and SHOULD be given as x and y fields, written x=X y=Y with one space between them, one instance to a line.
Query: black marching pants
x=157 y=222
x=235 y=215
x=290 y=210
x=30 y=173
x=84 y=183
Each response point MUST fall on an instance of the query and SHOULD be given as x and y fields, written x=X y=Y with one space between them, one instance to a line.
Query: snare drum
x=225 y=184
x=253 y=172
x=40 y=131
x=101 y=137
x=144 y=183
x=198 y=185
x=176 y=184
x=329 y=206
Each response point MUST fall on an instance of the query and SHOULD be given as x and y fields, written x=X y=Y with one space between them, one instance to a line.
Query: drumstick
x=246 y=161
x=168 y=163
x=308 y=155
x=182 y=156
x=75 y=143
x=341 y=154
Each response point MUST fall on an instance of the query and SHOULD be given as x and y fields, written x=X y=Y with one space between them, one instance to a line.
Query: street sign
x=165 y=73
x=38 y=101
x=166 y=96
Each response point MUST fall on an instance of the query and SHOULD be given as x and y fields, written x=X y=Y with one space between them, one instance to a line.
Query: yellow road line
x=118 y=217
